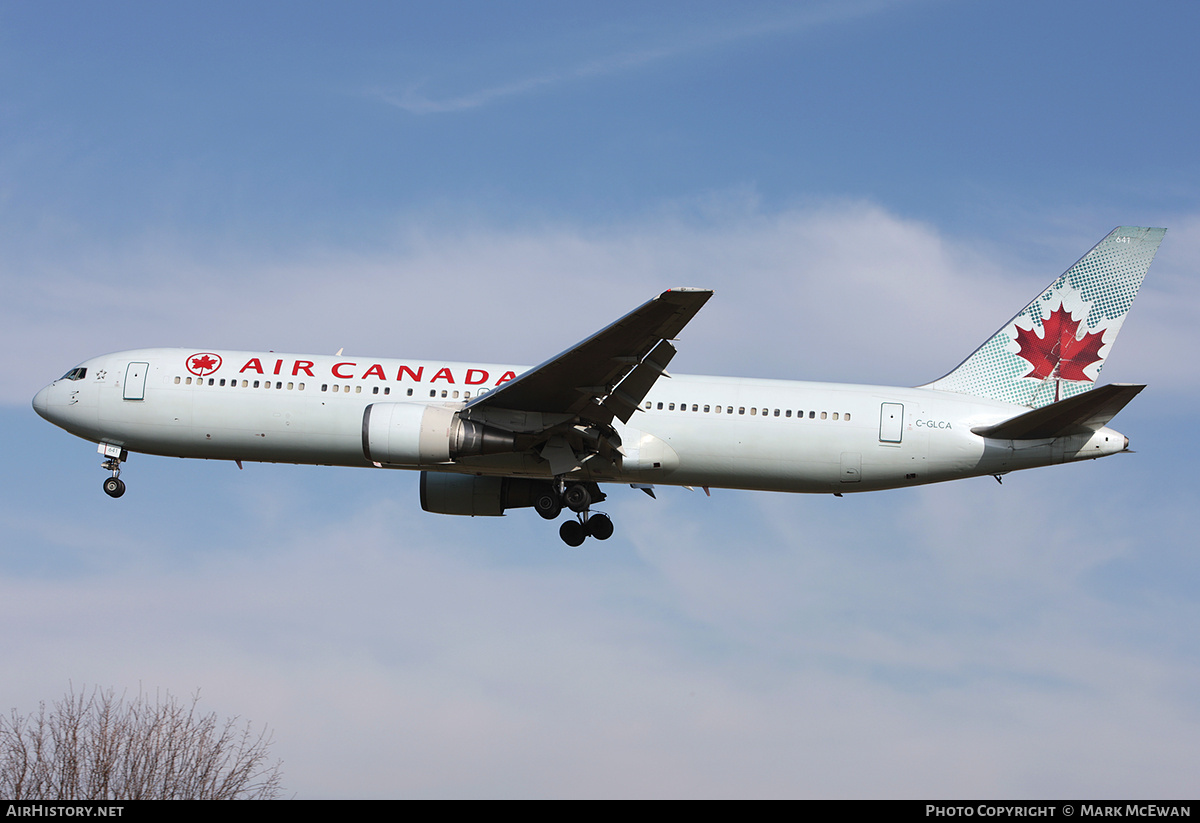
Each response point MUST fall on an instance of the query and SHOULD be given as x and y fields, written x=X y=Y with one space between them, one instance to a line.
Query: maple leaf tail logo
x=203 y=363
x=1059 y=352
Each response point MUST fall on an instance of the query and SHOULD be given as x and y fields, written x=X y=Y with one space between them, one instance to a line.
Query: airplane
x=487 y=438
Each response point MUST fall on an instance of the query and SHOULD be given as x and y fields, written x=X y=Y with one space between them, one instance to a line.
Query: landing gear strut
x=578 y=497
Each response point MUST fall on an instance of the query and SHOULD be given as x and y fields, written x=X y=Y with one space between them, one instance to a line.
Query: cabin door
x=135 y=381
x=891 y=423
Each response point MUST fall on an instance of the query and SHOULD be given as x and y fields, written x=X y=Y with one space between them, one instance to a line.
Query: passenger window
x=846 y=417
x=811 y=415
x=823 y=415
x=671 y=407
x=176 y=381
x=324 y=387
x=835 y=415
x=787 y=413
x=290 y=385
x=660 y=406
x=741 y=409
x=706 y=409
x=409 y=393
x=777 y=412
x=256 y=384
x=335 y=387
x=300 y=387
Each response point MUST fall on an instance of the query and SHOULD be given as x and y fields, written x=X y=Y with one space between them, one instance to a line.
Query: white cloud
x=796 y=21
x=396 y=654
x=845 y=291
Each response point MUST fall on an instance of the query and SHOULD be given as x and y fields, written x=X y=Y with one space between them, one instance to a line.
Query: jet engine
x=418 y=434
x=468 y=494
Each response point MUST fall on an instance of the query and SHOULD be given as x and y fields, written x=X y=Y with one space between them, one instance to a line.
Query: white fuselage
x=720 y=432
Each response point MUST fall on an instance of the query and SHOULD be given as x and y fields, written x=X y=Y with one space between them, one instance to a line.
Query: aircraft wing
x=602 y=377
x=1082 y=413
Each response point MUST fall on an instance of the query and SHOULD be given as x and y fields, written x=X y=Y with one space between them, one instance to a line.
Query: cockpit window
x=77 y=373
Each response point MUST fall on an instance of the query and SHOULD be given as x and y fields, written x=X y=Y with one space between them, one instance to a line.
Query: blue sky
x=871 y=188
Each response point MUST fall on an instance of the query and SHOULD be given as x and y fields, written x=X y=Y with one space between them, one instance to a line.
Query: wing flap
x=627 y=396
x=1082 y=413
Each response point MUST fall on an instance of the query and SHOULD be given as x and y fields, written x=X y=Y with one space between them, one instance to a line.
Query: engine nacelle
x=420 y=434
x=467 y=494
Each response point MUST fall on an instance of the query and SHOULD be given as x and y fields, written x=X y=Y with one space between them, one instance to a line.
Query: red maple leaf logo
x=1058 y=353
x=205 y=363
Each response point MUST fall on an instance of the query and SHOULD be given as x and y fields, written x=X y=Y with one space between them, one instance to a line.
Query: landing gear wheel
x=577 y=498
x=114 y=487
x=599 y=526
x=572 y=533
x=548 y=505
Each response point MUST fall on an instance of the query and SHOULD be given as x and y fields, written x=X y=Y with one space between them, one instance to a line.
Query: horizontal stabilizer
x=1076 y=415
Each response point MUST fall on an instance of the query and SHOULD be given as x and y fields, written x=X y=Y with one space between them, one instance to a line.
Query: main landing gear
x=578 y=497
x=113 y=486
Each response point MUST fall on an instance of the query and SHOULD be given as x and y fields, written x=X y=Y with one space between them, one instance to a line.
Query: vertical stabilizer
x=1056 y=347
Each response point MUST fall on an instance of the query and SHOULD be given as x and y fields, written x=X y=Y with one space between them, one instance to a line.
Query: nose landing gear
x=113 y=486
x=578 y=497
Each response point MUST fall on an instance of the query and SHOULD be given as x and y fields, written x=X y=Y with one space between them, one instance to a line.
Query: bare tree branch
x=99 y=746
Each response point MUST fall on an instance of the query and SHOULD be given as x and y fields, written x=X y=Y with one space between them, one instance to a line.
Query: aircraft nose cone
x=41 y=402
